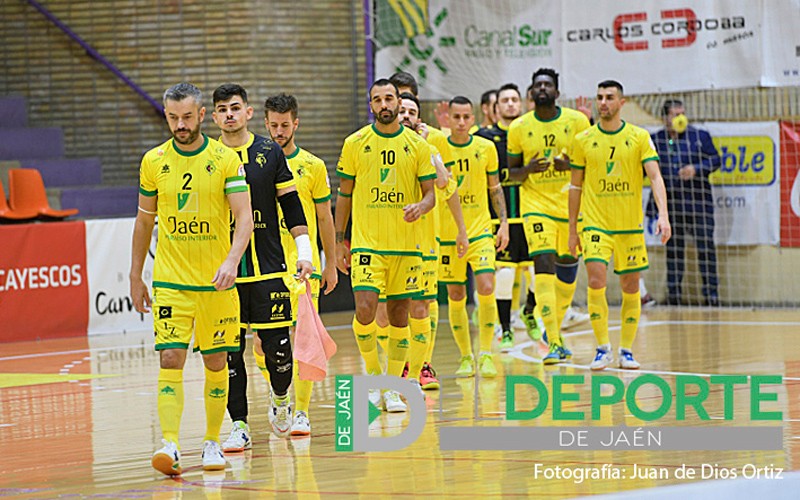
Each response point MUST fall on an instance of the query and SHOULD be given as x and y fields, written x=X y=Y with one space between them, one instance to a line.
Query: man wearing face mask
x=688 y=157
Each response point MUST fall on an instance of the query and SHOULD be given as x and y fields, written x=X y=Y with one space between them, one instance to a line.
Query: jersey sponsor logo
x=595 y=238
x=445 y=260
x=211 y=168
x=164 y=312
x=192 y=227
x=388 y=175
x=617 y=186
x=230 y=320
x=538 y=227
x=364 y=260
x=279 y=295
x=609 y=167
x=218 y=338
x=188 y=202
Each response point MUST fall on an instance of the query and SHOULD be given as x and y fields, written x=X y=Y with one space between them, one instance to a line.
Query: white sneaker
x=602 y=358
x=626 y=360
x=392 y=402
x=375 y=397
x=239 y=440
x=498 y=331
x=516 y=321
x=213 y=459
x=167 y=460
x=280 y=416
x=573 y=318
x=301 y=426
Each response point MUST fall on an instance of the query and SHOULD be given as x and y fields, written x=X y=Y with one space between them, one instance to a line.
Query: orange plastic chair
x=26 y=193
x=8 y=214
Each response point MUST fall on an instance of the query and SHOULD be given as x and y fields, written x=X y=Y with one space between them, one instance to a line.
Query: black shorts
x=265 y=305
x=516 y=253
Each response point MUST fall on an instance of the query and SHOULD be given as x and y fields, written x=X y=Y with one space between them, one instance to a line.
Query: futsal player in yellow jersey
x=192 y=183
x=314 y=189
x=387 y=182
x=606 y=186
x=536 y=144
x=423 y=331
x=475 y=168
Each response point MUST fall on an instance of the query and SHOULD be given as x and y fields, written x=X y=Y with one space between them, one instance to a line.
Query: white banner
x=476 y=46
x=108 y=262
x=650 y=46
x=746 y=188
x=781 y=43
x=661 y=46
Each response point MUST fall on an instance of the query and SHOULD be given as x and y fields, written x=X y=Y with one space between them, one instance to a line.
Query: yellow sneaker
x=467 y=366
x=486 y=365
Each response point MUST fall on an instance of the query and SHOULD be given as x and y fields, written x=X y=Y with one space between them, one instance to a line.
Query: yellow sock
x=564 y=294
x=216 y=398
x=368 y=346
x=598 y=312
x=420 y=333
x=170 y=402
x=517 y=288
x=459 y=323
x=261 y=363
x=433 y=314
x=398 y=349
x=302 y=391
x=546 y=301
x=487 y=315
x=631 y=312
x=383 y=336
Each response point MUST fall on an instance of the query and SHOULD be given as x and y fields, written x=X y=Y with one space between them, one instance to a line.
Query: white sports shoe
x=280 y=416
x=301 y=426
x=167 y=460
x=574 y=318
x=418 y=386
x=375 y=397
x=626 y=360
x=516 y=321
x=392 y=402
x=239 y=439
x=602 y=358
x=213 y=459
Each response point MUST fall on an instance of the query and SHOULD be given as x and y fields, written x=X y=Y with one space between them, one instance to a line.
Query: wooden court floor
x=78 y=420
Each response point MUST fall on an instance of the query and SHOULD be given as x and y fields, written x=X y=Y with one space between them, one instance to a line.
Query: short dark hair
x=529 y=90
x=403 y=79
x=509 y=86
x=546 y=72
x=227 y=91
x=669 y=104
x=381 y=82
x=486 y=97
x=411 y=97
x=607 y=84
x=460 y=99
x=281 y=103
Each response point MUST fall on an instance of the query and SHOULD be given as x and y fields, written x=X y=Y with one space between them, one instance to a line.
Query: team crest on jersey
x=595 y=145
x=261 y=159
x=301 y=171
x=211 y=168
x=407 y=149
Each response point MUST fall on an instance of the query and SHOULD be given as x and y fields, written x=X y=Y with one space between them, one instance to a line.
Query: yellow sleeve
x=234 y=173
x=346 y=167
x=450 y=189
x=321 y=188
x=492 y=162
x=425 y=169
x=582 y=123
x=147 y=179
x=648 y=148
x=577 y=157
x=514 y=145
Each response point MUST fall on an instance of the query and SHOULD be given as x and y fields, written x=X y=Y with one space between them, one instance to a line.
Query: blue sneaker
x=626 y=360
x=558 y=354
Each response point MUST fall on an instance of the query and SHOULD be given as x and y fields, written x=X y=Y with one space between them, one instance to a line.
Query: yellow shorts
x=630 y=253
x=546 y=235
x=480 y=257
x=430 y=275
x=213 y=318
x=397 y=276
x=298 y=288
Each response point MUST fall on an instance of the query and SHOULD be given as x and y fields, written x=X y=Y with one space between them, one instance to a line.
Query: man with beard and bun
x=265 y=299
x=193 y=184
x=476 y=170
x=314 y=189
x=510 y=262
x=607 y=161
x=419 y=367
x=537 y=143
x=387 y=182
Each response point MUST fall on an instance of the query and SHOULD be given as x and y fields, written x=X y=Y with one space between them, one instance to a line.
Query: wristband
x=303 y=248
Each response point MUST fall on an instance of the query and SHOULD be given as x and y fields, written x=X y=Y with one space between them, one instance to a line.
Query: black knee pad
x=277 y=348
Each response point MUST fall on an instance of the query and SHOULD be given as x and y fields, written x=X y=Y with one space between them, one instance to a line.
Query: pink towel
x=313 y=346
